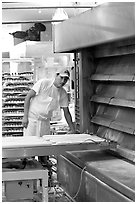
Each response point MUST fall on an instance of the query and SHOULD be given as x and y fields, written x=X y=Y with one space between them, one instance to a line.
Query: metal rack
x=114 y=93
x=77 y=92
x=15 y=89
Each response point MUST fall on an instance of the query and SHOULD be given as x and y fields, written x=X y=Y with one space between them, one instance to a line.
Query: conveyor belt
x=16 y=147
x=113 y=171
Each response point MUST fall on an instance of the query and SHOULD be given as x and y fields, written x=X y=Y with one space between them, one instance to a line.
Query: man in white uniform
x=43 y=98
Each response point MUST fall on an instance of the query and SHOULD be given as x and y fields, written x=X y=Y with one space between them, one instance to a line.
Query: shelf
x=100 y=99
x=13 y=92
x=12 y=120
x=122 y=126
x=21 y=97
x=13 y=114
x=15 y=87
x=12 y=123
x=19 y=83
x=21 y=59
x=99 y=77
x=11 y=132
x=25 y=73
x=7 y=100
x=15 y=79
x=102 y=77
x=101 y=121
x=13 y=102
x=13 y=108
x=13 y=126
x=122 y=102
x=113 y=101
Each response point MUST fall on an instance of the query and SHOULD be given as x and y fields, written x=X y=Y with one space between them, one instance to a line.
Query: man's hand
x=25 y=122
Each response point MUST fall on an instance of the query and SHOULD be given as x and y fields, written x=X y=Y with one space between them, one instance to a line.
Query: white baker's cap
x=64 y=73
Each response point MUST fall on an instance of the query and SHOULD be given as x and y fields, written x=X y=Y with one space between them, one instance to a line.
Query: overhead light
x=60 y=15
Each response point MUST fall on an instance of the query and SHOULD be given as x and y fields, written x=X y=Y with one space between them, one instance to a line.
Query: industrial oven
x=103 y=42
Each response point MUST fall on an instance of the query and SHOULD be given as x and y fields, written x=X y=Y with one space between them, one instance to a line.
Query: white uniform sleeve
x=63 y=102
x=37 y=86
x=41 y=85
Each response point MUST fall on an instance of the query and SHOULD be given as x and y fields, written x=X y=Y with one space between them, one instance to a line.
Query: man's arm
x=30 y=95
x=69 y=119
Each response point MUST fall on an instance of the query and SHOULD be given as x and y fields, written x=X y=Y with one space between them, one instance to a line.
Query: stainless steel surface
x=109 y=22
x=115 y=96
x=122 y=47
x=91 y=190
x=115 y=118
x=116 y=68
x=124 y=140
x=16 y=147
x=113 y=171
x=42 y=11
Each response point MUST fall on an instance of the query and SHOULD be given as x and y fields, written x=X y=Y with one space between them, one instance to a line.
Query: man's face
x=60 y=81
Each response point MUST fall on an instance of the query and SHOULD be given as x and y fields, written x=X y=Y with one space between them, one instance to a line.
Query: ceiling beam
x=47 y=4
x=38 y=7
x=40 y=21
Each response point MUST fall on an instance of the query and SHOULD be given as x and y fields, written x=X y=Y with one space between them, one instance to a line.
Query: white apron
x=39 y=123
